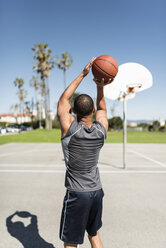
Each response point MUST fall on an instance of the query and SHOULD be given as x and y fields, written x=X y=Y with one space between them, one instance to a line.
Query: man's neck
x=85 y=120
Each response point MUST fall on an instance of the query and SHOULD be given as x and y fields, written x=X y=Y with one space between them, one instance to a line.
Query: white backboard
x=129 y=75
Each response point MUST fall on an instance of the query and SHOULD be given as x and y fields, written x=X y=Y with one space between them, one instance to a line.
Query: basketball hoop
x=131 y=79
x=132 y=88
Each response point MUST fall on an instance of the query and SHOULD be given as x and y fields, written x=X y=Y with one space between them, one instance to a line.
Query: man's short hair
x=83 y=105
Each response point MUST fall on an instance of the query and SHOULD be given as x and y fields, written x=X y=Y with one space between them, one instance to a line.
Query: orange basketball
x=105 y=67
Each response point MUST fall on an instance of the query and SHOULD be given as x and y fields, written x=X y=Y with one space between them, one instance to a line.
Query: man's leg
x=66 y=245
x=95 y=241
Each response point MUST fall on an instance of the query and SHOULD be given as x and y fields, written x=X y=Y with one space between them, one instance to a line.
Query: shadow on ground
x=23 y=226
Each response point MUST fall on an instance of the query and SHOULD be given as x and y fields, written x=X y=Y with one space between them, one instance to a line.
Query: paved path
x=31 y=179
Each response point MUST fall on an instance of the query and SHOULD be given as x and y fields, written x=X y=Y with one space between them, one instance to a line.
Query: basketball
x=105 y=67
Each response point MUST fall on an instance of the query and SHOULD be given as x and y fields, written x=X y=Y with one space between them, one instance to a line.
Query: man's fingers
x=89 y=65
x=99 y=81
x=109 y=81
x=91 y=61
x=96 y=80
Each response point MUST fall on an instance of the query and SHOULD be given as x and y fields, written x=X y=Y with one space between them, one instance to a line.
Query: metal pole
x=124 y=131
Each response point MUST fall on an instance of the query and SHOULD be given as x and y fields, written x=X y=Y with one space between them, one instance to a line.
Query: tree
x=14 y=108
x=27 y=108
x=63 y=63
x=44 y=63
x=143 y=125
x=72 y=99
x=162 y=128
x=113 y=109
x=19 y=82
x=34 y=82
x=115 y=123
x=156 y=125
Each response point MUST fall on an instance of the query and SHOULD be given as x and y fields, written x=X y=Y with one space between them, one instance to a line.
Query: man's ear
x=94 y=110
x=74 y=111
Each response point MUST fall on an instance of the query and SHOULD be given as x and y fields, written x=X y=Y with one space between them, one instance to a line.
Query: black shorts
x=81 y=211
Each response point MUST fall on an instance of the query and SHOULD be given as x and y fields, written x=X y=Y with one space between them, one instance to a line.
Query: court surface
x=134 y=212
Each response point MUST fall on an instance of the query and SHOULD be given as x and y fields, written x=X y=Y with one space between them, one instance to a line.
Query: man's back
x=81 y=146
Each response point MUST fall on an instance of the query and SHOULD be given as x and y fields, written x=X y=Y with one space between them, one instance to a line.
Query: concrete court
x=134 y=216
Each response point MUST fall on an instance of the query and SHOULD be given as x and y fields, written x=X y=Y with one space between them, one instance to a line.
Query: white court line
x=101 y=172
x=100 y=166
x=14 y=153
x=7 y=154
x=32 y=171
x=33 y=165
x=119 y=166
x=133 y=172
x=150 y=159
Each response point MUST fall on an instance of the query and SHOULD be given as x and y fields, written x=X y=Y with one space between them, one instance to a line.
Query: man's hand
x=102 y=83
x=101 y=114
x=87 y=67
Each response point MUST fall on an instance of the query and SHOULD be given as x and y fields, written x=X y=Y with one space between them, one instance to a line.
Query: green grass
x=137 y=137
x=112 y=137
x=36 y=135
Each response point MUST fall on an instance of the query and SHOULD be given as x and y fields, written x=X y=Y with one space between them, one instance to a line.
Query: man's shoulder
x=72 y=129
x=100 y=127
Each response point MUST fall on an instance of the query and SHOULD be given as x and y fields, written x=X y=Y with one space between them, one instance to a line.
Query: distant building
x=132 y=124
x=21 y=118
x=162 y=122
x=11 y=118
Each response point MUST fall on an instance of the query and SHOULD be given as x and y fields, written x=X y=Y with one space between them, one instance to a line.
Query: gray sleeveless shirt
x=81 y=146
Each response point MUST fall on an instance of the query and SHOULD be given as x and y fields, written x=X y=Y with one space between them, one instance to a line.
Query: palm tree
x=34 y=82
x=44 y=63
x=19 y=82
x=27 y=108
x=14 y=108
x=72 y=99
x=22 y=95
x=63 y=63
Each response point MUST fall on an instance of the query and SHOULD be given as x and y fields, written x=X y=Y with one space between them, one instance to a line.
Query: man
x=81 y=144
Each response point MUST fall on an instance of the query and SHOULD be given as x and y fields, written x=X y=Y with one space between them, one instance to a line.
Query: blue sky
x=130 y=31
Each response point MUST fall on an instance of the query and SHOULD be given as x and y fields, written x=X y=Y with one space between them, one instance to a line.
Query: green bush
x=55 y=123
x=115 y=123
x=162 y=128
x=35 y=124
x=145 y=126
x=3 y=124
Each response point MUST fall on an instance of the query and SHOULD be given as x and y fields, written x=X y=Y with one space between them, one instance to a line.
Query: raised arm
x=101 y=114
x=63 y=111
